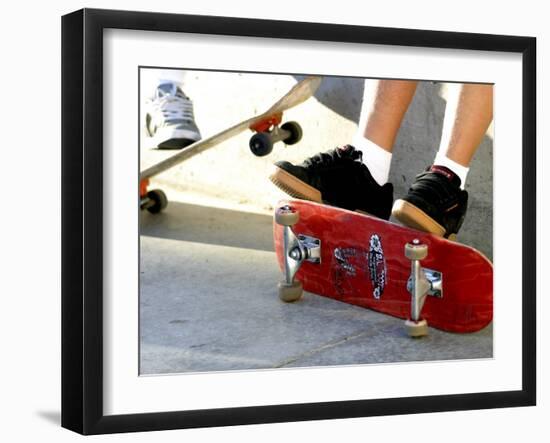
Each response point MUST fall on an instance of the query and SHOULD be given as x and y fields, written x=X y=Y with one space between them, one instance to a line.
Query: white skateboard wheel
x=416 y=329
x=286 y=217
x=290 y=292
x=416 y=252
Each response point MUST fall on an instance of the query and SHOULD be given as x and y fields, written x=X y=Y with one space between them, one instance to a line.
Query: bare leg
x=384 y=105
x=470 y=111
x=384 y=109
x=465 y=125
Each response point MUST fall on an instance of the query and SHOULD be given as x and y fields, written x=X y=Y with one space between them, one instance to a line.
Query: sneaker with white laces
x=169 y=118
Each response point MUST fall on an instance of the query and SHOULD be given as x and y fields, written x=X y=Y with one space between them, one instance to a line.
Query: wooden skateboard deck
x=363 y=263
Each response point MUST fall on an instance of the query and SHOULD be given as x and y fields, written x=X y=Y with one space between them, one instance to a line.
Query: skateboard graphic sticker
x=377 y=265
x=347 y=263
x=357 y=262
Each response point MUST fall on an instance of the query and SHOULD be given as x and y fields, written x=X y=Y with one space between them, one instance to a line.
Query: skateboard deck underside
x=363 y=263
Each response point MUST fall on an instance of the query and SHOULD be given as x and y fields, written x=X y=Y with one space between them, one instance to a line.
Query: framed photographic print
x=270 y=221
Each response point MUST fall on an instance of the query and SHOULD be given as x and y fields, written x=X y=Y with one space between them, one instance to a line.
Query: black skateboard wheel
x=159 y=200
x=295 y=132
x=261 y=144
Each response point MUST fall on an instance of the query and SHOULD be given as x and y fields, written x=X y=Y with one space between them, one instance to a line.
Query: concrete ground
x=208 y=294
x=208 y=302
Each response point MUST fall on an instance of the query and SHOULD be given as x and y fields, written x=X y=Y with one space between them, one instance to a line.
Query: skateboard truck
x=297 y=248
x=422 y=282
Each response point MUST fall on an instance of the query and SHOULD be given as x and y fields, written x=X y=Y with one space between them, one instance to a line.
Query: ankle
x=376 y=158
x=441 y=159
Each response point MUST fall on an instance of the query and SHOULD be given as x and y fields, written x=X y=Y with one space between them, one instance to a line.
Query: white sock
x=462 y=171
x=377 y=159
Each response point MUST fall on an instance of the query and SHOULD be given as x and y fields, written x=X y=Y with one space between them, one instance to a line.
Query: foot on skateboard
x=337 y=177
x=434 y=203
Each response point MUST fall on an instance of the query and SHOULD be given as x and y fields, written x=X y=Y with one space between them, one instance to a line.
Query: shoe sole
x=293 y=186
x=168 y=138
x=414 y=217
x=175 y=143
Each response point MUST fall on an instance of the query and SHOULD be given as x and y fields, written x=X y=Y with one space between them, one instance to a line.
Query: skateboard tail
x=299 y=93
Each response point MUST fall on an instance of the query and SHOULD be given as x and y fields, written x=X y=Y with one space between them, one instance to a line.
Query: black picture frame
x=82 y=218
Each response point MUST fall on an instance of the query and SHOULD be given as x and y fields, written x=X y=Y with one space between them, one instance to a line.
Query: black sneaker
x=337 y=177
x=435 y=203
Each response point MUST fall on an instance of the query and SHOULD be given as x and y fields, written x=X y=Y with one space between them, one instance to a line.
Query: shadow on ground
x=216 y=226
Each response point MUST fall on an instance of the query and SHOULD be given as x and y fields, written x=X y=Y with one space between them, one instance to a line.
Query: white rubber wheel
x=290 y=292
x=286 y=217
x=416 y=329
x=416 y=252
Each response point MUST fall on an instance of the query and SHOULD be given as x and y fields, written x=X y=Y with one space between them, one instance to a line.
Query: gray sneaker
x=169 y=118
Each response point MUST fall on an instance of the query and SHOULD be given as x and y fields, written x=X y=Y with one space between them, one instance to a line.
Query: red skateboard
x=376 y=264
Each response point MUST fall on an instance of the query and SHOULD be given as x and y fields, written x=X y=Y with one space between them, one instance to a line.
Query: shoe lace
x=331 y=157
x=174 y=106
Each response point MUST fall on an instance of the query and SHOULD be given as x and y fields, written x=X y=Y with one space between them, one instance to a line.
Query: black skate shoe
x=337 y=177
x=435 y=203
